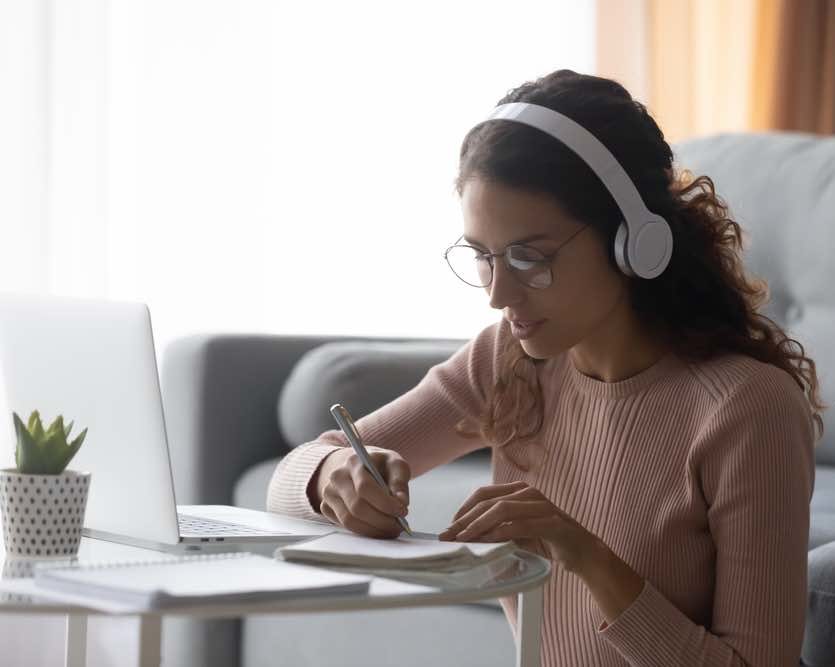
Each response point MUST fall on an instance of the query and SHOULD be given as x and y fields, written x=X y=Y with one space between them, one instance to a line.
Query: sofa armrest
x=219 y=393
x=819 y=634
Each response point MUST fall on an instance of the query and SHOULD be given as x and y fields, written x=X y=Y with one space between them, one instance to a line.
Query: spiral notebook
x=238 y=577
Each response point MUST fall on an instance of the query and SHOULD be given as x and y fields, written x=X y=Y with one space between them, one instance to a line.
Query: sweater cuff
x=288 y=486
x=651 y=631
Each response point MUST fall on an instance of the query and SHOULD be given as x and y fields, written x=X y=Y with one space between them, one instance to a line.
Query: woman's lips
x=523 y=329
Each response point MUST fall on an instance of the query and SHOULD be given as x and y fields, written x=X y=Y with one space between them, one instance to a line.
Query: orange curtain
x=706 y=66
x=794 y=76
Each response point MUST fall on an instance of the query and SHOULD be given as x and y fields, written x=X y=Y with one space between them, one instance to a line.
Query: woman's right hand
x=351 y=498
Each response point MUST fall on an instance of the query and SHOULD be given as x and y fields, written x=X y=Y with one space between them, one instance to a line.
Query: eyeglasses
x=530 y=266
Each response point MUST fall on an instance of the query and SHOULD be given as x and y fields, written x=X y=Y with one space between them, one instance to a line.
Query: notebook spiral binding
x=188 y=558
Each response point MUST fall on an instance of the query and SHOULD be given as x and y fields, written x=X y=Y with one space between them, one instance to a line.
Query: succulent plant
x=42 y=452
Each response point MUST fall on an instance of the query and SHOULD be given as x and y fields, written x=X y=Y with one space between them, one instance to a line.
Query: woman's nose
x=504 y=289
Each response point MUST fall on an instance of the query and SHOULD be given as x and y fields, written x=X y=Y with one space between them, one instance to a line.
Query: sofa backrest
x=780 y=187
x=362 y=375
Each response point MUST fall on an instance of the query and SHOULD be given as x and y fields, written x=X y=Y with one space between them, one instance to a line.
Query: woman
x=653 y=437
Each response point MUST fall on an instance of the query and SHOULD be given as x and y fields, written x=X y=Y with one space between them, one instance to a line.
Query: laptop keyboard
x=192 y=525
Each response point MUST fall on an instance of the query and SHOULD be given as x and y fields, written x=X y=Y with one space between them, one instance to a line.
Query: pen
x=343 y=418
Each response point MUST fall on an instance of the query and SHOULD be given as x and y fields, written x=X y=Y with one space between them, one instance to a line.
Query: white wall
x=193 y=153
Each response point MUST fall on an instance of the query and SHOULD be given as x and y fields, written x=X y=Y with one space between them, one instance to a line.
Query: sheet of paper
x=401 y=547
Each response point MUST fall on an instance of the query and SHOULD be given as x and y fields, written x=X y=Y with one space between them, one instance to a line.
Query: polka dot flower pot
x=43 y=514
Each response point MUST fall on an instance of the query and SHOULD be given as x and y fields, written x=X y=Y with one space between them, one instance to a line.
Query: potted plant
x=42 y=503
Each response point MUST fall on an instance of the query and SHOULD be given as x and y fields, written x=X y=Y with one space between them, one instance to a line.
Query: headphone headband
x=645 y=245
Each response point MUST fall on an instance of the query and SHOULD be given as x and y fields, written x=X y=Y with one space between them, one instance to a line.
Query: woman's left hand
x=519 y=512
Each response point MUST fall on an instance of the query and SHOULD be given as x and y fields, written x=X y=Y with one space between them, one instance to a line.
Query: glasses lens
x=530 y=266
x=469 y=265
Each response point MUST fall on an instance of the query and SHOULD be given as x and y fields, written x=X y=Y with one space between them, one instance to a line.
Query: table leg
x=150 y=641
x=528 y=622
x=76 y=644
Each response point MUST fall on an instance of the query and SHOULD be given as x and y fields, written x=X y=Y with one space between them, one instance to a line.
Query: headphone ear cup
x=621 y=258
x=653 y=249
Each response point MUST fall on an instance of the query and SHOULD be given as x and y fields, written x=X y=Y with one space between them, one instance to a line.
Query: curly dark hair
x=704 y=303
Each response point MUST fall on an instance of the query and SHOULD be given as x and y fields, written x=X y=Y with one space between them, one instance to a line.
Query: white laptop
x=93 y=361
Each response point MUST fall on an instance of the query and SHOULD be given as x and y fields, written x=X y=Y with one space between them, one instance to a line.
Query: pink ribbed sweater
x=699 y=476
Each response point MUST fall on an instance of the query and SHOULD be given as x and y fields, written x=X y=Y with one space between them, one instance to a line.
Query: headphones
x=644 y=242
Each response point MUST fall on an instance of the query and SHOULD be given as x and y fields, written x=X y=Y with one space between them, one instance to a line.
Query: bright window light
x=275 y=167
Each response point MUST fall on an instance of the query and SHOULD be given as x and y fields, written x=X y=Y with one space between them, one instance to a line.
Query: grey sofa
x=235 y=404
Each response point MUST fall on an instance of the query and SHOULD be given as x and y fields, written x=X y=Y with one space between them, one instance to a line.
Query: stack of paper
x=402 y=553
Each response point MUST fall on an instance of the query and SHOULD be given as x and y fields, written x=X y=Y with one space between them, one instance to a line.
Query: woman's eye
x=526 y=254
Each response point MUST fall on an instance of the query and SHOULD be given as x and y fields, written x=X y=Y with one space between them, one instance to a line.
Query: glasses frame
x=547 y=259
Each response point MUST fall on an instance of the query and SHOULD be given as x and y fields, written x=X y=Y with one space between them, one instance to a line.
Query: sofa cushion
x=819 y=637
x=362 y=375
x=251 y=488
x=822 y=507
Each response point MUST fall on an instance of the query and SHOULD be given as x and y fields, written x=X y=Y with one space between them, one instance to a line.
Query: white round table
x=521 y=573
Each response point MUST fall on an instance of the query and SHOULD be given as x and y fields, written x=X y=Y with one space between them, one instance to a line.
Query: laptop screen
x=93 y=362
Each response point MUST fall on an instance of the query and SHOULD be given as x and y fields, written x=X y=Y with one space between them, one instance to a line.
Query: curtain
x=705 y=66
x=794 y=74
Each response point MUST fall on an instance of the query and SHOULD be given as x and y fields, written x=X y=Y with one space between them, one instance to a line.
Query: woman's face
x=580 y=302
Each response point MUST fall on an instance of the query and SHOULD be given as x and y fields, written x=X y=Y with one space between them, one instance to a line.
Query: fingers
x=519 y=501
x=398 y=478
x=516 y=512
x=359 y=503
x=521 y=533
x=328 y=513
x=486 y=493
x=395 y=472
x=505 y=531
x=491 y=514
x=335 y=509
x=354 y=499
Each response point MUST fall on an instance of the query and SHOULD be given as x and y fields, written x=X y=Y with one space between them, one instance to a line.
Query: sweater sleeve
x=754 y=458
x=419 y=424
